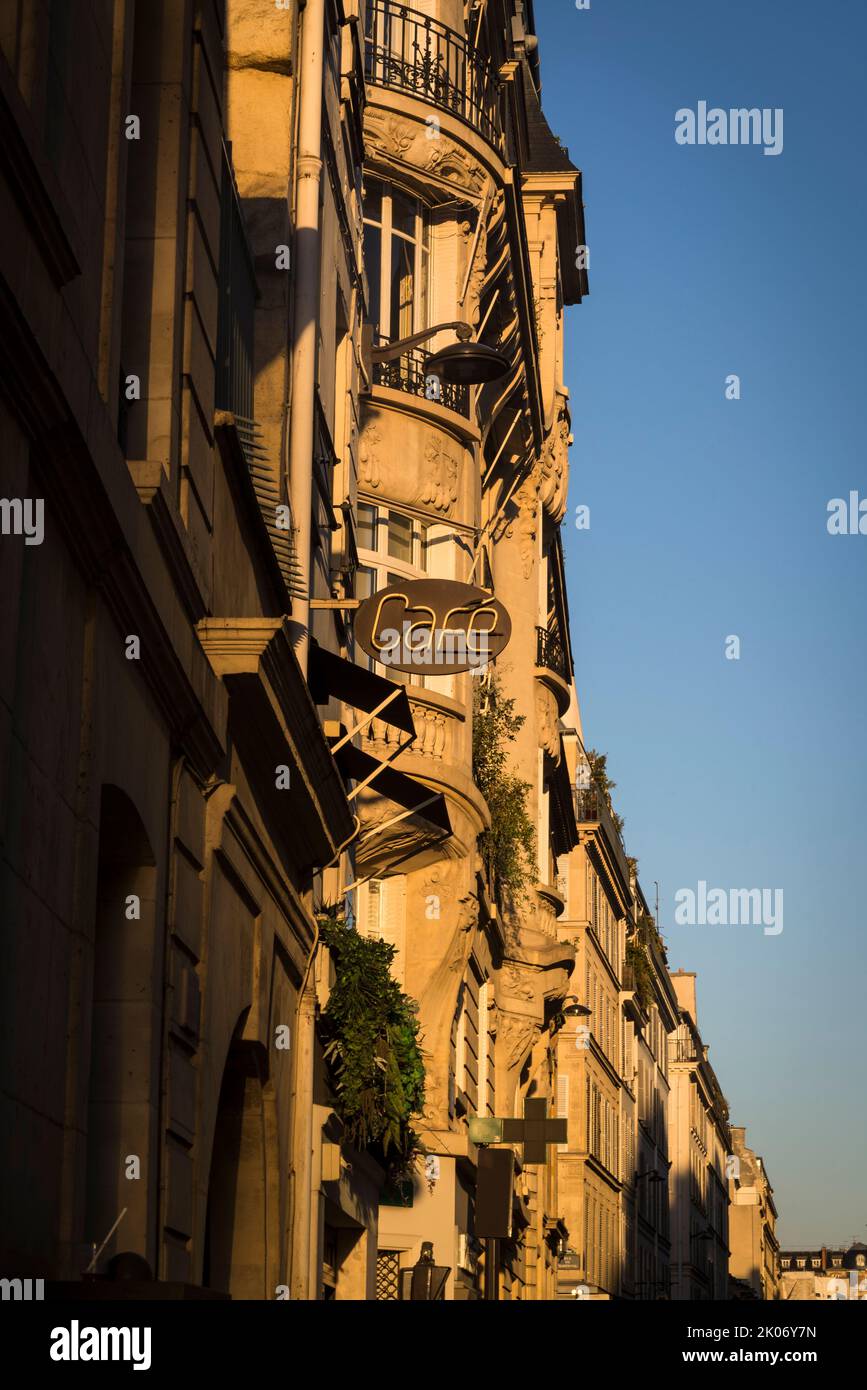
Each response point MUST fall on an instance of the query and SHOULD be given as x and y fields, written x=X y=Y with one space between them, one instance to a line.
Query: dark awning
x=405 y=791
x=564 y=827
x=333 y=677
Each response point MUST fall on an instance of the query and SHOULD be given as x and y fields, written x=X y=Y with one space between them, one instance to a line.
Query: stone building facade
x=831 y=1273
x=754 y=1262
x=215 y=214
x=700 y=1143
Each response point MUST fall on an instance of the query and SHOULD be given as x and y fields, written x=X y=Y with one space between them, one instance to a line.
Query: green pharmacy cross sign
x=536 y=1131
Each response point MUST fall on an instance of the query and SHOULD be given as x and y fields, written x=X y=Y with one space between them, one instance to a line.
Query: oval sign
x=436 y=627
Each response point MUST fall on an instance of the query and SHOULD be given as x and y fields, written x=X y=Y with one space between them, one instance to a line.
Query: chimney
x=684 y=987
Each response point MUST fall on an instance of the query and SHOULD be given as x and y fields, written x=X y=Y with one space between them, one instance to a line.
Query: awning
x=564 y=827
x=333 y=677
x=414 y=796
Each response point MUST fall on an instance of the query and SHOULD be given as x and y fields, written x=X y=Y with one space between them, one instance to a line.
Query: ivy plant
x=370 y=1029
x=508 y=848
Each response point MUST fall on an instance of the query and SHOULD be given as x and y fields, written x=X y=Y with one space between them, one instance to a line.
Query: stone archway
x=242 y=1220
x=123 y=1084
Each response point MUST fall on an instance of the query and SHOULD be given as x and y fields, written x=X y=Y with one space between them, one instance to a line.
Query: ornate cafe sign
x=436 y=627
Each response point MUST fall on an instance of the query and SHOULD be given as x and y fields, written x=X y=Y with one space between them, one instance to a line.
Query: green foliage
x=370 y=1030
x=509 y=847
x=599 y=774
x=643 y=975
x=648 y=932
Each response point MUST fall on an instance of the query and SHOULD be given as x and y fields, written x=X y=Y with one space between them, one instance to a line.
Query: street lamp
x=464 y=363
x=428 y=1280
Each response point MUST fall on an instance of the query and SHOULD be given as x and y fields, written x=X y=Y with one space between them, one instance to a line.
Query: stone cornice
x=255 y=660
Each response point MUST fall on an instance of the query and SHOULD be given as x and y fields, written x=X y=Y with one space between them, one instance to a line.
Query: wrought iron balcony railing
x=551 y=653
x=591 y=807
x=410 y=52
x=406 y=373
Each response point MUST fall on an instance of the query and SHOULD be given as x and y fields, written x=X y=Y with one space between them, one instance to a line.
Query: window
x=392 y=546
x=802 y=1264
x=396 y=253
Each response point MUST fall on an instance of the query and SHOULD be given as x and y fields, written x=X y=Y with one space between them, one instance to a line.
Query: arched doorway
x=123 y=1085
x=242 y=1224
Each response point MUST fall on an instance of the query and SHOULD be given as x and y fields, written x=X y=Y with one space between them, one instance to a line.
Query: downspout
x=306 y=316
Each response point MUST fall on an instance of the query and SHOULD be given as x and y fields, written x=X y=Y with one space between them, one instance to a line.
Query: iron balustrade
x=406 y=373
x=591 y=806
x=550 y=652
x=410 y=52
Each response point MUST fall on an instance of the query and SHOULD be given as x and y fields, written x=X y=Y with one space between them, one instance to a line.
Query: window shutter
x=562 y=1103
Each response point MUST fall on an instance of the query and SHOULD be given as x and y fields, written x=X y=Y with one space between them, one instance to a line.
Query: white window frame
x=420 y=239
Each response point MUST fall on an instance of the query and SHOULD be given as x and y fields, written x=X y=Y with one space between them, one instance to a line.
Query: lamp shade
x=467 y=364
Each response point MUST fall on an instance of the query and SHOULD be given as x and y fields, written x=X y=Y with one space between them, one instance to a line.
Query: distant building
x=828 y=1274
x=754 y=1258
x=700 y=1142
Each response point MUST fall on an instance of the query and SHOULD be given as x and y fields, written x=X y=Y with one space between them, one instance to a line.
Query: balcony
x=408 y=52
x=550 y=653
x=407 y=374
x=591 y=808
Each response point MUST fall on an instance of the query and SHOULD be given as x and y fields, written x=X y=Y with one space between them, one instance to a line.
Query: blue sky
x=708 y=519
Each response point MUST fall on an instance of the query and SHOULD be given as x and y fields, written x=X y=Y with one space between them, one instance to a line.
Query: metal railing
x=410 y=52
x=550 y=652
x=591 y=805
x=406 y=373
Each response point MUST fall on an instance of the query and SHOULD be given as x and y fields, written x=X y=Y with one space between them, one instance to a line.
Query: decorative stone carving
x=526 y=524
x=454 y=164
x=439 y=487
x=516 y=984
x=554 y=463
x=387 y=134
x=516 y=1036
x=405 y=142
x=547 y=721
x=368 y=456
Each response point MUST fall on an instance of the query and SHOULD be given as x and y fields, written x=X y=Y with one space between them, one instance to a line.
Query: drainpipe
x=306 y=277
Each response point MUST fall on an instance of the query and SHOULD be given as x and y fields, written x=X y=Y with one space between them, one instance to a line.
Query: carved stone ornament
x=368 y=456
x=547 y=722
x=439 y=486
x=408 y=142
x=554 y=464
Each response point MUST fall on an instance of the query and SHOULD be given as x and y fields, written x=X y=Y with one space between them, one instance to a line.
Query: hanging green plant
x=370 y=1032
x=509 y=847
x=599 y=774
x=636 y=957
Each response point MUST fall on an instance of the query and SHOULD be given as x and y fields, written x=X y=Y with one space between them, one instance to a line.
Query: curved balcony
x=552 y=667
x=406 y=373
x=409 y=52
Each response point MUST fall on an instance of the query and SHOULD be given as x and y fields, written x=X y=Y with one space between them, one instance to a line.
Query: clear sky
x=708 y=518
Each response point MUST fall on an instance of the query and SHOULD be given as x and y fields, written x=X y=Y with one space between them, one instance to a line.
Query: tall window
x=396 y=252
x=391 y=546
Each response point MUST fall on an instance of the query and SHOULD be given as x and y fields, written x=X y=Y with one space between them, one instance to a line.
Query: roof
x=546 y=155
